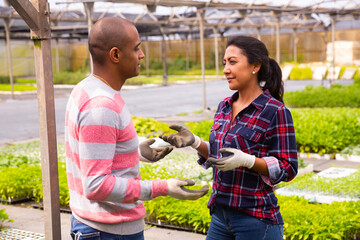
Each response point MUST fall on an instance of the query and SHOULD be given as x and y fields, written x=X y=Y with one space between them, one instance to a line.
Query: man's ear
x=114 y=54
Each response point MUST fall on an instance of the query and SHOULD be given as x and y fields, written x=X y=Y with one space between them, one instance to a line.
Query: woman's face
x=237 y=70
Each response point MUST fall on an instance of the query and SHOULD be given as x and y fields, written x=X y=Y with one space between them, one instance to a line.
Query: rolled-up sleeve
x=203 y=161
x=282 y=154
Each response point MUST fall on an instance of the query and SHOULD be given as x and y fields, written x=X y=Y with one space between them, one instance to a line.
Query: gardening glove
x=177 y=190
x=181 y=139
x=236 y=158
x=148 y=154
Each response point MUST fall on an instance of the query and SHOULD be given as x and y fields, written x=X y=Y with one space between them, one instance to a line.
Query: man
x=102 y=154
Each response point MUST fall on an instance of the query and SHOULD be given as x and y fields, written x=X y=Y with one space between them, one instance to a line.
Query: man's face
x=131 y=54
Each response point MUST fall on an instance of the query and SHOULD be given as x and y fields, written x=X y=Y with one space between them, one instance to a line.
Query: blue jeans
x=228 y=224
x=83 y=231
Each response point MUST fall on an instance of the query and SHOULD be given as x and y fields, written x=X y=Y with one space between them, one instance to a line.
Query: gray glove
x=177 y=190
x=148 y=154
x=181 y=139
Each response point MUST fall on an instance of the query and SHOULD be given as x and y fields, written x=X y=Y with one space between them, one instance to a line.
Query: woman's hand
x=236 y=158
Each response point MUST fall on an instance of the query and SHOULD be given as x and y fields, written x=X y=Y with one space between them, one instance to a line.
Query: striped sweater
x=102 y=161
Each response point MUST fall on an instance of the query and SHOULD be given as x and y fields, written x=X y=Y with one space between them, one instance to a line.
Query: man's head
x=114 y=42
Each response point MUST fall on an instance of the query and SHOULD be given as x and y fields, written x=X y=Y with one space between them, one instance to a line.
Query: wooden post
x=8 y=53
x=200 y=14
x=37 y=15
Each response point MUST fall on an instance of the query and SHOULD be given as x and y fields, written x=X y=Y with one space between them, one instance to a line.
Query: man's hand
x=236 y=158
x=148 y=154
x=177 y=190
x=181 y=139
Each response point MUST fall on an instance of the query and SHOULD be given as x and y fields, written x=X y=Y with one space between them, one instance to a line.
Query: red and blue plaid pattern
x=264 y=129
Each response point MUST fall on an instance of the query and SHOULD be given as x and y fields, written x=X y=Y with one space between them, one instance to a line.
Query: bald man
x=102 y=147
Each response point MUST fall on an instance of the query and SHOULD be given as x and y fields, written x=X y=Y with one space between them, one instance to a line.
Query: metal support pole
x=89 y=9
x=258 y=31
x=57 y=57
x=294 y=44
x=278 y=38
x=216 y=52
x=163 y=55
x=200 y=15
x=147 y=56
x=187 y=52
x=333 y=47
x=8 y=53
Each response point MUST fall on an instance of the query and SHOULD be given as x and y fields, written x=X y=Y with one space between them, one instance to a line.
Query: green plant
x=7 y=87
x=4 y=217
x=300 y=73
x=68 y=77
x=335 y=96
x=303 y=221
x=335 y=129
x=310 y=182
x=201 y=129
x=4 y=79
x=149 y=127
x=18 y=183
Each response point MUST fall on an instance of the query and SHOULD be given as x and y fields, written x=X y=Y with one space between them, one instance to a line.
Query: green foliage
x=303 y=221
x=149 y=127
x=351 y=150
x=18 y=183
x=310 y=182
x=4 y=79
x=4 y=217
x=201 y=129
x=335 y=96
x=187 y=214
x=300 y=73
x=326 y=130
x=7 y=87
x=68 y=77
x=357 y=78
x=64 y=195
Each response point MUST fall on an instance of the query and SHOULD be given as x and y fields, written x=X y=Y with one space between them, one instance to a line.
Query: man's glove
x=181 y=139
x=148 y=154
x=236 y=158
x=177 y=190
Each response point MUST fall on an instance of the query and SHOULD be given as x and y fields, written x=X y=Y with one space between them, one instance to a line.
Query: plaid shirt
x=264 y=129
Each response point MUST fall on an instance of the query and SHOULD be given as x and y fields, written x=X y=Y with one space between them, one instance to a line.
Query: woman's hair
x=269 y=76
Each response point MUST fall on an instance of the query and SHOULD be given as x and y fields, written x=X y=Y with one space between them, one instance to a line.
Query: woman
x=251 y=146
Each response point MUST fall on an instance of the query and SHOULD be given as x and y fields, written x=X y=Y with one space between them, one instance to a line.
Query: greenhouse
x=44 y=54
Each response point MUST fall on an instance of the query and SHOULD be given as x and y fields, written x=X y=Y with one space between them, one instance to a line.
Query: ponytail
x=273 y=82
x=269 y=76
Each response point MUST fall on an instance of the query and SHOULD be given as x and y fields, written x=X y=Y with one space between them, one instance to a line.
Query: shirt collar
x=259 y=102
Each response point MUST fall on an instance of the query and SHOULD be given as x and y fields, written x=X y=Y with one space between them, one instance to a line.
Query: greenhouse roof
x=180 y=19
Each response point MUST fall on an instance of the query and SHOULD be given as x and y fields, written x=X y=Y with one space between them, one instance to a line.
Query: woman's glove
x=236 y=158
x=148 y=154
x=177 y=190
x=183 y=138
